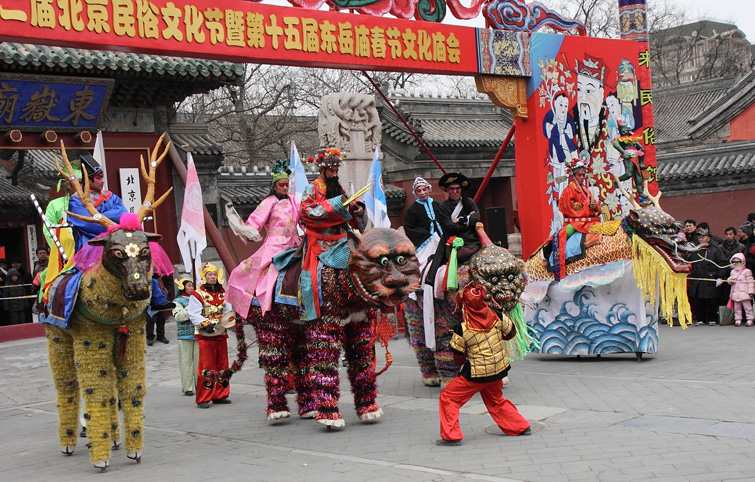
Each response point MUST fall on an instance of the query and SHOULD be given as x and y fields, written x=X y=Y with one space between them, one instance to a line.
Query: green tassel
x=452 y=280
x=519 y=346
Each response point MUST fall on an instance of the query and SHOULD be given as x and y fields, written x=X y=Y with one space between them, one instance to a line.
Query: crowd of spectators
x=716 y=268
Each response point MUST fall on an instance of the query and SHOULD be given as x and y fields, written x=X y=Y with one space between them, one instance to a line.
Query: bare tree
x=256 y=121
x=698 y=51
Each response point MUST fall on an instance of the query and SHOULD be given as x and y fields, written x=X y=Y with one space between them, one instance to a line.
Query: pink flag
x=191 y=235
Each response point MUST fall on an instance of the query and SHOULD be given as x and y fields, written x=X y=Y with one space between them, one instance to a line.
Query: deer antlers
x=655 y=199
x=631 y=199
x=154 y=161
x=95 y=217
x=149 y=205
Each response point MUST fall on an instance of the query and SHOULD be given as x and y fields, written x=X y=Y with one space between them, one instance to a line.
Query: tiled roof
x=703 y=28
x=40 y=58
x=142 y=81
x=674 y=108
x=720 y=160
x=445 y=122
x=737 y=99
x=244 y=194
x=195 y=138
x=14 y=200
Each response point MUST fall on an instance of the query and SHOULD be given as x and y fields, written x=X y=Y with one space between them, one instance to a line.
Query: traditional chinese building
x=706 y=150
x=53 y=94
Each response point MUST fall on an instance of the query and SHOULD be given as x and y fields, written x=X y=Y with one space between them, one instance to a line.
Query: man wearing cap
x=420 y=221
x=702 y=287
x=255 y=277
x=208 y=312
x=324 y=216
x=459 y=215
x=107 y=203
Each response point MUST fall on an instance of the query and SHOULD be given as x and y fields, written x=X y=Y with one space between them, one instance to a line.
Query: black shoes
x=83 y=433
x=222 y=401
x=447 y=443
x=203 y=405
x=189 y=393
x=162 y=339
x=150 y=341
x=526 y=432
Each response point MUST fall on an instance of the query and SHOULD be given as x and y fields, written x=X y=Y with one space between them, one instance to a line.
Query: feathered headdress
x=280 y=171
x=330 y=157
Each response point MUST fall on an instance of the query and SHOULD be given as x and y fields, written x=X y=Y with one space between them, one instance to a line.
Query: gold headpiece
x=208 y=267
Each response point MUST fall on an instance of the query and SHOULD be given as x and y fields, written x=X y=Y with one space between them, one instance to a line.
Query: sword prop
x=49 y=228
x=357 y=194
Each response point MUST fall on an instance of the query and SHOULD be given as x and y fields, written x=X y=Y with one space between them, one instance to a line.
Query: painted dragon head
x=501 y=274
x=661 y=231
x=383 y=267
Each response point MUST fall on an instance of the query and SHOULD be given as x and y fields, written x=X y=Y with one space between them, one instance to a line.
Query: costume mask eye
x=511 y=277
x=400 y=260
x=494 y=279
x=383 y=260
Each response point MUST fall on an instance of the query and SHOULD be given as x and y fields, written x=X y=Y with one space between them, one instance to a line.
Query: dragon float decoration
x=501 y=275
x=382 y=270
x=609 y=300
x=95 y=328
x=499 y=14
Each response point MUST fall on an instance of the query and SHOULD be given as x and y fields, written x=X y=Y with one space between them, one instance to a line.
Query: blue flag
x=374 y=199
x=299 y=177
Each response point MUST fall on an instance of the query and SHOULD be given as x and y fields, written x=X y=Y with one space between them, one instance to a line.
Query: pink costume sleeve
x=258 y=219
x=749 y=281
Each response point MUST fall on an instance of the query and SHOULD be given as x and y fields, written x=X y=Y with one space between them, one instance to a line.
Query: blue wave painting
x=592 y=323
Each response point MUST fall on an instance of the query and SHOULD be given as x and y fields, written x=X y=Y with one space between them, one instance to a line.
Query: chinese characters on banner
x=131 y=189
x=246 y=32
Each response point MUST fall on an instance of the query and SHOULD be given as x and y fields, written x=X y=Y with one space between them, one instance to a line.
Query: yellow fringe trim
x=607 y=228
x=651 y=271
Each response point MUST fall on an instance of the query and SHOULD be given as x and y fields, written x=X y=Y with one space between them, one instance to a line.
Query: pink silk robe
x=255 y=276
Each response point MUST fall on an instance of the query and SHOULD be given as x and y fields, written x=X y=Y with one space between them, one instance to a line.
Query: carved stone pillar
x=507 y=92
x=350 y=122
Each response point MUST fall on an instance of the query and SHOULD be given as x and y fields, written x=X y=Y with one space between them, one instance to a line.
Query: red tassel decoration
x=121 y=337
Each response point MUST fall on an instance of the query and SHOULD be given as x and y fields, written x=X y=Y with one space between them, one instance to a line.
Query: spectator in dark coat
x=705 y=226
x=708 y=265
x=26 y=279
x=14 y=301
x=690 y=227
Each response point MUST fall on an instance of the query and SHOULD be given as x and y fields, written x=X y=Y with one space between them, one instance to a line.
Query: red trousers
x=213 y=355
x=460 y=390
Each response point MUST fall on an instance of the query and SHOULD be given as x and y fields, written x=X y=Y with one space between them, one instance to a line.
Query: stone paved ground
x=684 y=414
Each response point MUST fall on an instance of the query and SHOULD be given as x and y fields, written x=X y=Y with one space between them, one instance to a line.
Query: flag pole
x=217 y=239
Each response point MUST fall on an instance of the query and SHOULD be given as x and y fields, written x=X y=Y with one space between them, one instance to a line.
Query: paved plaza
x=684 y=414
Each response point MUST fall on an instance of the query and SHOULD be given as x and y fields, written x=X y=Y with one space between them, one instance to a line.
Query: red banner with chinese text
x=241 y=31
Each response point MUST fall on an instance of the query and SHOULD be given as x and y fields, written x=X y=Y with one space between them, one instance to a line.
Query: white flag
x=99 y=155
x=374 y=199
x=298 y=179
x=192 y=238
